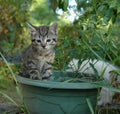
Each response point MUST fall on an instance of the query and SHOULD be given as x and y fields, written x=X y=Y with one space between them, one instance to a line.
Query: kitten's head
x=44 y=37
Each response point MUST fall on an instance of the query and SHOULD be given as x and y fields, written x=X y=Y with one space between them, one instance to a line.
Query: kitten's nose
x=43 y=45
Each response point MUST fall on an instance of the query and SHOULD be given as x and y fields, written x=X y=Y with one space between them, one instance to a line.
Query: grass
x=22 y=106
x=90 y=106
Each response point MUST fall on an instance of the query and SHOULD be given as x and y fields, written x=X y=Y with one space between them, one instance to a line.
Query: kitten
x=39 y=56
x=105 y=94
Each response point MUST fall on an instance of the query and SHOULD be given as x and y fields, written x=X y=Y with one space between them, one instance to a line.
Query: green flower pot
x=52 y=97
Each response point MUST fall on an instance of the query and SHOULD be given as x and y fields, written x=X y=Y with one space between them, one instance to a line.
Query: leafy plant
x=14 y=14
x=95 y=35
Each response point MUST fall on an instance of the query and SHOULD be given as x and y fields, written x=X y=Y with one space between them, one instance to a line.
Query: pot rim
x=55 y=84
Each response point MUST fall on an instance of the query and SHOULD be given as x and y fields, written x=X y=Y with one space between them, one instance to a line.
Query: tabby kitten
x=39 y=56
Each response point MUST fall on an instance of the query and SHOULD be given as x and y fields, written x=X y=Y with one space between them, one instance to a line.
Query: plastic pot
x=54 y=97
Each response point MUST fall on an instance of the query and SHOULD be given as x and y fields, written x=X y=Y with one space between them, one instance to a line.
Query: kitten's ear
x=55 y=25
x=54 y=28
x=31 y=27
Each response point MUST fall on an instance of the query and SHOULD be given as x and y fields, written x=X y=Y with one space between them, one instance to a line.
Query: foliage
x=95 y=35
x=4 y=80
x=22 y=106
x=41 y=13
x=59 y=3
x=14 y=14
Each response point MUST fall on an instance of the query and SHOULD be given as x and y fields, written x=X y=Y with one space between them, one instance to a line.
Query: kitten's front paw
x=33 y=78
x=46 y=75
x=35 y=75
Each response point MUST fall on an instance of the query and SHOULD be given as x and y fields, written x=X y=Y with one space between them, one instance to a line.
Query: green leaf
x=92 y=50
x=103 y=72
x=54 y=4
x=8 y=97
x=118 y=8
x=65 y=5
x=113 y=3
x=117 y=72
x=90 y=105
x=19 y=93
x=9 y=68
x=94 y=69
x=106 y=85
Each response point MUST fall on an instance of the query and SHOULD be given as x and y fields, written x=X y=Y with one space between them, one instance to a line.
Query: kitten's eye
x=48 y=40
x=54 y=39
x=38 y=41
x=33 y=40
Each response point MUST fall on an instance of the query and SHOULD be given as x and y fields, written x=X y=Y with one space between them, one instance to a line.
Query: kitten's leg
x=33 y=70
x=47 y=71
x=34 y=74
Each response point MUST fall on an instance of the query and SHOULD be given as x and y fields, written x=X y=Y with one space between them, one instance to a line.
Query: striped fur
x=39 y=56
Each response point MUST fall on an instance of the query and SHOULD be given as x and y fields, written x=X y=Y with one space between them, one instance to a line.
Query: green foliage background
x=94 y=35
x=14 y=14
x=41 y=13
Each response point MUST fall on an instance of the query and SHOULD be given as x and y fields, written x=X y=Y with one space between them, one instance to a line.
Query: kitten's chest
x=43 y=58
x=47 y=57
